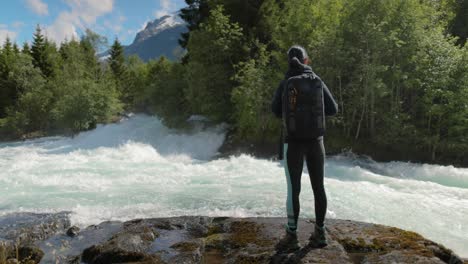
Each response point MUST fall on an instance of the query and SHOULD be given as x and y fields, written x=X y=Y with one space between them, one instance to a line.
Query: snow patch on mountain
x=157 y=26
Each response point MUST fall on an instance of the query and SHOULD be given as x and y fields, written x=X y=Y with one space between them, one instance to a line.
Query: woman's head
x=298 y=52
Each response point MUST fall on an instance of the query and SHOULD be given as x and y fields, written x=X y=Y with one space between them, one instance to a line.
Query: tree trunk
x=350 y=126
x=342 y=103
x=360 y=120
x=372 y=113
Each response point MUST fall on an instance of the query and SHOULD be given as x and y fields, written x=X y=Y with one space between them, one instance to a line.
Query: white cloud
x=83 y=14
x=4 y=33
x=38 y=7
x=17 y=24
x=166 y=7
x=115 y=24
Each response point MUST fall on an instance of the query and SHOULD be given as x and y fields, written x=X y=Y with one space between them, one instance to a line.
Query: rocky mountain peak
x=158 y=25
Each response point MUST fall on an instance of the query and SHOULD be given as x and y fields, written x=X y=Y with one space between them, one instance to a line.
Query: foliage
x=166 y=91
x=117 y=59
x=212 y=49
x=55 y=90
x=398 y=69
x=251 y=98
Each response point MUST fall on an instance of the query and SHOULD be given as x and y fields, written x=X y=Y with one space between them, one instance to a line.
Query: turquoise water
x=139 y=168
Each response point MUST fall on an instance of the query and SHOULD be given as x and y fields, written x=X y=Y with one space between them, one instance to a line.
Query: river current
x=139 y=168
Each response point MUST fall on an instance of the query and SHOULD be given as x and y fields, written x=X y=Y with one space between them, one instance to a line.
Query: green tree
x=44 y=54
x=459 y=25
x=8 y=92
x=85 y=97
x=212 y=49
x=90 y=42
x=251 y=98
x=15 y=48
x=194 y=14
x=38 y=49
x=7 y=47
x=30 y=112
x=117 y=59
x=442 y=113
x=26 y=49
x=96 y=41
x=166 y=91
x=135 y=84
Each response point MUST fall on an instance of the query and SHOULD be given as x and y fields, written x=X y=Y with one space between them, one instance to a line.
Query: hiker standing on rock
x=303 y=100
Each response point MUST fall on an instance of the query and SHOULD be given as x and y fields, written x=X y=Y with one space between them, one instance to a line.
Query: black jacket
x=297 y=68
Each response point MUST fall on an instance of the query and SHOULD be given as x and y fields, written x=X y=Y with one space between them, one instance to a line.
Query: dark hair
x=298 y=52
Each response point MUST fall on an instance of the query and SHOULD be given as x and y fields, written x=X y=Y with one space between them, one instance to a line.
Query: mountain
x=158 y=38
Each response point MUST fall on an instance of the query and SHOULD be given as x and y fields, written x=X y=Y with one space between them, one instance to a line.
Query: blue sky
x=63 y=19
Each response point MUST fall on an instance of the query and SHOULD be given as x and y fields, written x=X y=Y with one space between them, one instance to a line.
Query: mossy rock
x=217 y=241
x=186 y=246
x=244 y=258
x=25 y=254
x=246 y=232
x=359 y=245
x=214 y=229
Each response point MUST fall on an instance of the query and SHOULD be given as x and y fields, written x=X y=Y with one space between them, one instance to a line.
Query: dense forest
x=398 y=68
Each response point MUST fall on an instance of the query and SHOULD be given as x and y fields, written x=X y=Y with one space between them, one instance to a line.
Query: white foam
x=139 y=168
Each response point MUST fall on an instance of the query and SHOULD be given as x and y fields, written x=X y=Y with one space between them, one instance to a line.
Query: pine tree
x=194 y=14
x=38 y=48
x=26 y=49
x=7 y=47
x=15 y=48
x=51 y=62
x=44 y=54
x=7 y=88
x=459 y=25
x=117 y=60
x=90 y=44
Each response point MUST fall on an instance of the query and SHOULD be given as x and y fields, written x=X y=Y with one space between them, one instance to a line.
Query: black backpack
x=303 y=107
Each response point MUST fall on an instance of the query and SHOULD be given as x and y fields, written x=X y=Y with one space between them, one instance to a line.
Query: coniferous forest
x=398 y=69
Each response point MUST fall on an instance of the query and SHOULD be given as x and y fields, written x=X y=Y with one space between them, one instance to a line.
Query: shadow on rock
x=295 y=257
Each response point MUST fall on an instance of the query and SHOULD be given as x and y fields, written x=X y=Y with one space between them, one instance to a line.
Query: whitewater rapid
x=138 y=168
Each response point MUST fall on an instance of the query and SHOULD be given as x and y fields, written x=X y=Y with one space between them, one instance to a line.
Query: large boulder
x=196 y=239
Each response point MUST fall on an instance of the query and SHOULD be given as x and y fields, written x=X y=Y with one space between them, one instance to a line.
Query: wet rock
x=190 y=251
x=30 y=253
x=196 y=239
x=102 y=255
x=26 y=228
x=12 y=252
x=383 y=243
x=128 y=245
x=217 y=241
x=197 y=229
x=244 y=257
x=188 y=246
x=401 y=257
x=12 y=261
x=64 y=249
x=73 y=259
x=73 y=231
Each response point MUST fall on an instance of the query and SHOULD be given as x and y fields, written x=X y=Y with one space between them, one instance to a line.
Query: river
x=139 y=168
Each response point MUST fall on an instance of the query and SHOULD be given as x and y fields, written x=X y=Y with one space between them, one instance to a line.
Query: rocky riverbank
x=49 y=238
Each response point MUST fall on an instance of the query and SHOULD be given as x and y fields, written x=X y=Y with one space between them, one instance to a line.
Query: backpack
x=303 y=107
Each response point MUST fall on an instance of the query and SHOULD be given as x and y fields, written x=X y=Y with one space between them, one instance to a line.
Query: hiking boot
x=288 y=243
x=318 y=238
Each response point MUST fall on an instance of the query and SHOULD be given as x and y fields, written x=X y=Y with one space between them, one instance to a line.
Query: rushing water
x=139 y=168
